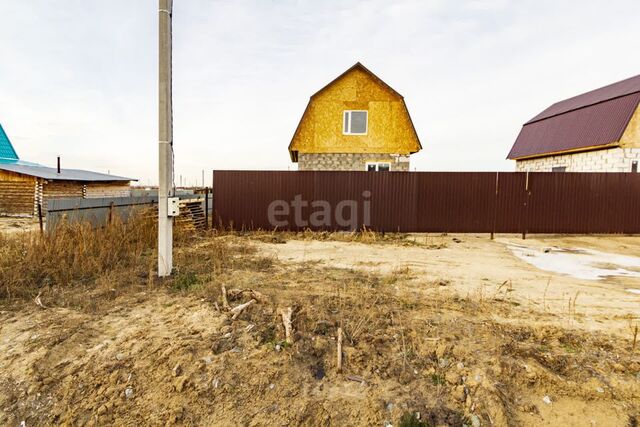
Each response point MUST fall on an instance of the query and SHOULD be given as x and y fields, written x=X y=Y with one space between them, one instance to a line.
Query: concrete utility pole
x=165 y=136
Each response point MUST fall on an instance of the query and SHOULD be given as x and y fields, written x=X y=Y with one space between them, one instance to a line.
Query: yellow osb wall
x=389 y=127
x=631 y=136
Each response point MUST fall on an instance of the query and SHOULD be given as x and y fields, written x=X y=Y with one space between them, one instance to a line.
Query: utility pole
x=165 y=140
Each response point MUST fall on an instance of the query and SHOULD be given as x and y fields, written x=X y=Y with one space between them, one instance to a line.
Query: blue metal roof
x=34 y=169
x=9 y=161
x=7 y=153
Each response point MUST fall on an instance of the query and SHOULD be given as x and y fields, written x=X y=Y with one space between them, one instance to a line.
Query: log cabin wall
x=94 y=190
x=17 y=194
x=60 y=190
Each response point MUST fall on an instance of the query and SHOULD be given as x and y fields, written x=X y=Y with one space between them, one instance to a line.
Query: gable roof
x=356 y=66
x=595 y=119
x=9 y=161
x=45 y=172
x=7 y=152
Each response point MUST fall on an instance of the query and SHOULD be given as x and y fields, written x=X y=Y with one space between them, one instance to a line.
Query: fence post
x=40 y=217
x=526 y=207
x=110 y=213
x=495 y=208
x=206 y=208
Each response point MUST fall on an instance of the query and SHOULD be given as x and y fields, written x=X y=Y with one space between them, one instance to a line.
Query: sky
x=78 y=78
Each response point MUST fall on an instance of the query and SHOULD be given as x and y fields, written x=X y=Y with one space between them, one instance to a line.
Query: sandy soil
x=460 y=335
x=16 y=224
x=474 y=264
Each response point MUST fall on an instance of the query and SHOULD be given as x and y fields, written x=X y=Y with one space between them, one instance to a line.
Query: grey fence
x=99 y=212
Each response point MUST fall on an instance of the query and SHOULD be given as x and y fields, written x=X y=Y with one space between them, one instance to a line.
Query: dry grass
x=81 y=267
x=366 y=236
x=70 y=255
x=423 y=347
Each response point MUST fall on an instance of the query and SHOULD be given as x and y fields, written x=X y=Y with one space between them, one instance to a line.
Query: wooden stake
x=239 y=309
x=339 y=360
x=38 y=301
x=225 y=302
x=40 y=217
x=286 y=320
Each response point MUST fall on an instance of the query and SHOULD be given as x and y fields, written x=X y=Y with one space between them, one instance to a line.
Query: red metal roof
x=591 y=120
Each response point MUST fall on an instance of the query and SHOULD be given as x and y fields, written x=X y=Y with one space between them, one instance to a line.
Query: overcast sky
x=78 y=78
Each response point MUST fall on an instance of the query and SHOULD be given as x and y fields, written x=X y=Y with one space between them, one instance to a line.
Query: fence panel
x=97 y=212
x=482 y=202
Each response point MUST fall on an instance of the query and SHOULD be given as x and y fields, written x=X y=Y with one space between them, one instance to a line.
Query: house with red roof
x=598 y=131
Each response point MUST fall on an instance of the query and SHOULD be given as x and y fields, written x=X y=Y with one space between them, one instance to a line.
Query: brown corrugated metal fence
x=479 y=202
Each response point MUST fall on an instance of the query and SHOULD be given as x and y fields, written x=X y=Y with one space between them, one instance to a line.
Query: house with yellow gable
x=357 y=122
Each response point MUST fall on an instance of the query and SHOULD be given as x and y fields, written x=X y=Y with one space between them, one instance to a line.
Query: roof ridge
x=628 y=86
x=535 y=120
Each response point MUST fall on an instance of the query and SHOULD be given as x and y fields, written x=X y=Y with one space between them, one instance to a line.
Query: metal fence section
x=100 y=212
x=479 y=202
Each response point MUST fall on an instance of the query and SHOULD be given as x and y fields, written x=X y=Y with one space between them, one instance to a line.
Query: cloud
x=81 y=80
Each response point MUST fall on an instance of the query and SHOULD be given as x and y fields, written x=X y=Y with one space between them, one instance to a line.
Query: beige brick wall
x=610 y=160
x=349 y=161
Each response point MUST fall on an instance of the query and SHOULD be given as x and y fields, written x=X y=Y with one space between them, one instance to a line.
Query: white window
x=378 y=166
x=355 y=122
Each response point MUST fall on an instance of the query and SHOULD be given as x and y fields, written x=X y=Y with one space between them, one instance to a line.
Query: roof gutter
x=569 y=151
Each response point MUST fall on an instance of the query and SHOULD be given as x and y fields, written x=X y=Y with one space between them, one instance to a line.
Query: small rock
x=128 y=392
x=180 y=384
x=227 y=335
x=599 y=390
x=460 y=366
x=226 y=329
x=278 y=347
x=441 y=350
x=475 y=420
x=387 y=424
x=618 y=367
x=207 y=360
x=389 y=406
x=272 y=386
x=215 y=383
x=443 y=363
x=452 y=377
x=119 y=356
x=177 y=370
x=547 y=400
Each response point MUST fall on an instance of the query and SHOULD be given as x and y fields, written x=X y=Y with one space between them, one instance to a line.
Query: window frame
x=558 y=169
x=366 y=166
x=346 y=130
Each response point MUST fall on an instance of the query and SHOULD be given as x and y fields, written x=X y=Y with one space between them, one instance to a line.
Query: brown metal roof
x=592 y=120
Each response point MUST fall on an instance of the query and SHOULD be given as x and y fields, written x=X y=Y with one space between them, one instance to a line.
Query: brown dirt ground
x=457 y=332
x=15 y=224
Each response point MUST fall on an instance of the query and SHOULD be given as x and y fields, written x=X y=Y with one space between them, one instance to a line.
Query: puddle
x=579 y=263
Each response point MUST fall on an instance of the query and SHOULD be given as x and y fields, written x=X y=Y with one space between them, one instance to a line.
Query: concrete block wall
x=349 y=161
x=610 y=160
